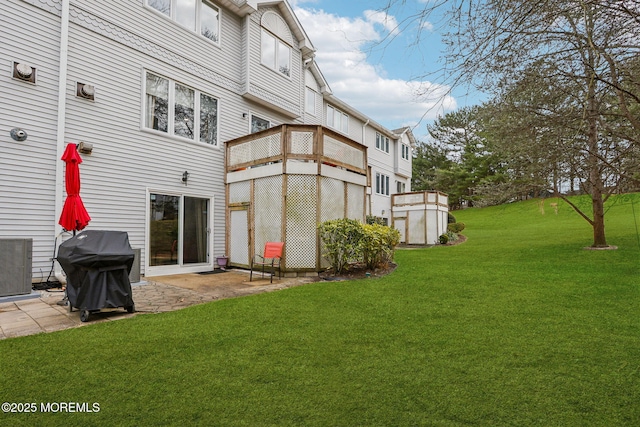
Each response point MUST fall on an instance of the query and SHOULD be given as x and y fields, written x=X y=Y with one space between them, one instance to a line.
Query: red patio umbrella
x=74 y=216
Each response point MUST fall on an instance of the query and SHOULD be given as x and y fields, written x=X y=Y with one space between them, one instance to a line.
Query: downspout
x=62 y=100
x=247 y=53
x=364 y=142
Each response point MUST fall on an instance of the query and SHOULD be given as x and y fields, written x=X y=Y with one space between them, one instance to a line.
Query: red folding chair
x=270 y=258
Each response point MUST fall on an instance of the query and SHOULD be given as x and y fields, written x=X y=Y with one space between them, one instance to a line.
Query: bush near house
x=372 y=219
x=377 y=245
x=455 y=227
x=348 y=241
x=341 y=238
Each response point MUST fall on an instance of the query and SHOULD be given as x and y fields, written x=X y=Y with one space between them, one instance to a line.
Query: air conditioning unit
x=134 y=276
x=15 y=266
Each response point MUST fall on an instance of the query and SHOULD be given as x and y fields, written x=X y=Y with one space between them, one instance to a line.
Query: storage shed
x=421 y=217
x=282 y=182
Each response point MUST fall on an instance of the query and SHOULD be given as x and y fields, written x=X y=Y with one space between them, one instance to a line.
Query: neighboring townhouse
x=152 y=89
x=389 y=154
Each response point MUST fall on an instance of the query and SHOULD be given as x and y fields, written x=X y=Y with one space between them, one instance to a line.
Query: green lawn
x=517 y=326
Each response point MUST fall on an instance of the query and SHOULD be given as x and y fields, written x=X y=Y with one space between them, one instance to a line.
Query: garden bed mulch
x=461 y=239
x=360 y=271
x=357 y=271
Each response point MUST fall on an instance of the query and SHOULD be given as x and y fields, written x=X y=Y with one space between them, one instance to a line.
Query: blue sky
x=381 y=82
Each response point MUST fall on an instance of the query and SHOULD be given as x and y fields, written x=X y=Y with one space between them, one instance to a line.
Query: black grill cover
x=97 y=264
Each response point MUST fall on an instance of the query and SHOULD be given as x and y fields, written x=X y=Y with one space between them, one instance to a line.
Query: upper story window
x=276 y=43
x=382 y=184
x=179 y=110
x=276 y=54
x=310 y=101
x=382 y=142
x=200 y=16
x=401 y=187
x=258 y=124
x=405 y=151
x=337 y=120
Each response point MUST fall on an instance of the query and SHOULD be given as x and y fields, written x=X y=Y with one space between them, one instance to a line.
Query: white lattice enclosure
x=253 y=151
x=346 y=153
x=239 y=231
x=239 y=192
x=279 y=194
x=301 y=242
x=421 y=217
x=267 y=211
x=302 y=142
x=332 y=199
x=355 y=201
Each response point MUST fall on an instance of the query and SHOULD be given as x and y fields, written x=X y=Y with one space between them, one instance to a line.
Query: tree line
x=564 y=113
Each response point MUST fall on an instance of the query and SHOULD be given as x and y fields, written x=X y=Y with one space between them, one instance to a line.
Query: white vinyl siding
x=265 y=82
x=126 y=161
x=28 y=168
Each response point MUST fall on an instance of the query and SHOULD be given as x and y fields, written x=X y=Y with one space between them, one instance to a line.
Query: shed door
x=239 y=237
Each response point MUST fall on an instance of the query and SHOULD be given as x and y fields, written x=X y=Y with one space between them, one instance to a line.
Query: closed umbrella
x=74 y=216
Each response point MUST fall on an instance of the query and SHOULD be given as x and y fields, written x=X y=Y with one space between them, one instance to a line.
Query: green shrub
x=347 y=240
x=456 y=227
x=377 y=245
x=341 y=238
x=452 y=236
x=444 y=239
x=372 y=219
x=450 y=218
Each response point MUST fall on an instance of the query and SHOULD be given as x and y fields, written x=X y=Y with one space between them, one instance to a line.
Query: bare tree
x=589 y=46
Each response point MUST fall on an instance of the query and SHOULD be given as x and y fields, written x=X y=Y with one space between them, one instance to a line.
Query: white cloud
x=389 y=22
x=341 y=45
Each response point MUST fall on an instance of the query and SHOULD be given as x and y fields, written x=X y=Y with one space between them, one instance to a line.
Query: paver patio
x=154 y=295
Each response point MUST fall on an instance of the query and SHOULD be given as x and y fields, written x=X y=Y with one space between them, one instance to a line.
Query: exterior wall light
x=85 y=147
x=185 y=177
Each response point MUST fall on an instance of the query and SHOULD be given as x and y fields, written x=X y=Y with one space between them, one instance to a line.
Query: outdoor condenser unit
x=134 y=275
x=15 y=266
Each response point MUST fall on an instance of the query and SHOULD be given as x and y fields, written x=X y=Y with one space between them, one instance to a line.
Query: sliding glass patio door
x=179 y=231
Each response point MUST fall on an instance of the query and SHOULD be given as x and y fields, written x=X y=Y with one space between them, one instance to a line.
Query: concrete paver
x=42 y=313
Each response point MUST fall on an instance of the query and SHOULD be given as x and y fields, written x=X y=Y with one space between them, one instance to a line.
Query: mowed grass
x=517 y=326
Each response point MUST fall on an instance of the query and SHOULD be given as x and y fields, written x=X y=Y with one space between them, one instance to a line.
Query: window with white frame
x=258 y=124
x=382 y=184
x=382 y=142
x=400 y=187
x=179 y=110
x=200 y=16
x=337 y=120
x=276 y=54
x=310 y=102
x=405 y=151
